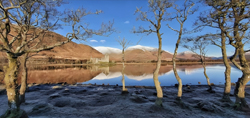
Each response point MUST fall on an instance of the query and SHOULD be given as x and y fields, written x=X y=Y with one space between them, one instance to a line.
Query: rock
x=55 y=95
x=78 y=104
x=139 y=98
x=57 y=87
x=208 y=106
x=40 y=108
x=61 y=102
x=78 y=91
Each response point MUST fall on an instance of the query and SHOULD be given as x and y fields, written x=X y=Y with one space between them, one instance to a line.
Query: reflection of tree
x=124 y=89
x=124 y=43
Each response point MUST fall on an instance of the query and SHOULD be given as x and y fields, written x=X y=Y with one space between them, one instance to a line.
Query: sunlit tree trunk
x=227 y=72
x=241 y=83
x=10 y=80
x=155 y=75
x=203 y=62
x=23 y=78
x=205 y=73
x=174 y=64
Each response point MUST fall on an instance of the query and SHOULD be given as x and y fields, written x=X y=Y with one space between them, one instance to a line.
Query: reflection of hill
x=188 y=69
x=69 y=75
x=110 y=75
x=82 y=74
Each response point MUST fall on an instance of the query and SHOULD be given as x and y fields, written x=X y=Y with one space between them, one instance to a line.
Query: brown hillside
x=138 y=55
x=69 y=50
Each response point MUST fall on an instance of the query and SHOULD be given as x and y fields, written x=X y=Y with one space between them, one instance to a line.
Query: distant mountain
x=187 y=55
x=137 y=53
x=144 y=48
x=247 y=55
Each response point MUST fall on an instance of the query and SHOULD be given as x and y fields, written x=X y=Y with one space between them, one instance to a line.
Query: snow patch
x=111 y=75
x=144 y=48
x=108 y=50
x=186 y=52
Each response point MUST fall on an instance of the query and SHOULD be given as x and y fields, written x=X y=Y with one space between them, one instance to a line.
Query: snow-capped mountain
x=185 y=52
x=144 y=48
x=108 y=50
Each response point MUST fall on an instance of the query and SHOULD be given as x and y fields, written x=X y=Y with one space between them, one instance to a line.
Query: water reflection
x=134 y=74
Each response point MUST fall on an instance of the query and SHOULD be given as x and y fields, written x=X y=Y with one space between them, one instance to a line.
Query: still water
x=190 y=74
x=135 y=75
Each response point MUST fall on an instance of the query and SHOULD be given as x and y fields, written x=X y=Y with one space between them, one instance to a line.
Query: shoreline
x=62 y=101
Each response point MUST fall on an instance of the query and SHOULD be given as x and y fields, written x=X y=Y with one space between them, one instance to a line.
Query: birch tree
x=216 y=18
x=198 y=47
x=159 y=9
x=181 y=13
x=24 y=22
x=231 y=17
x=124 y=43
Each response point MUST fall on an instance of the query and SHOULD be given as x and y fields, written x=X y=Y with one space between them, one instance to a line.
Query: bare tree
x=124 y=43
x=240 y=15
x=181 y=15
x=216 y=19
x=158 y=8
x=231 y=17
x=24 y=23
x=198 y=47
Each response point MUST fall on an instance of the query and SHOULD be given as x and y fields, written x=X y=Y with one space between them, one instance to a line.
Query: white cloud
x=102 y=41
x=93 y=41
x=127 y=22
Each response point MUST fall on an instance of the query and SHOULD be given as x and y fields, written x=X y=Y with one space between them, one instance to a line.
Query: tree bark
x=155 y=75
x=23 y=78
x=205 y=73
x=10 y=80
x=227 y=72
x=241 y=83
x=174 y=64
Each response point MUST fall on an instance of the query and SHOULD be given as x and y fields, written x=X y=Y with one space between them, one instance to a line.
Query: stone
x=40 y=108
x=62 y=102
x=139 y=98
x=55 y=95
x=208 y=106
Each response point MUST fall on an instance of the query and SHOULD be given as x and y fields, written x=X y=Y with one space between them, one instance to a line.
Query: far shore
x=169 y=63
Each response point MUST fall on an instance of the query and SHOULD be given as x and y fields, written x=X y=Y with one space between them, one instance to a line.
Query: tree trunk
x=23 y=78
x=155 y=75
x=208 y=80
x=227 y=72
x=174 y=65
x=10 y=80
x=205 y=73
x=241 y=83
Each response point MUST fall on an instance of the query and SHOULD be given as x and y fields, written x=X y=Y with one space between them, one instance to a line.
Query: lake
x=138 y=75
x=135 y=74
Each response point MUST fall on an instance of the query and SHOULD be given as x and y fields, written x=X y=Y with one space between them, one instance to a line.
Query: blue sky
x=122 y=12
